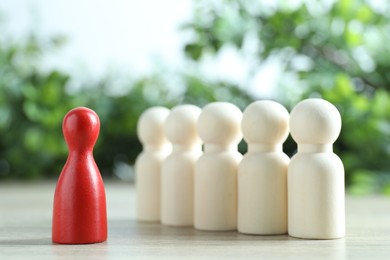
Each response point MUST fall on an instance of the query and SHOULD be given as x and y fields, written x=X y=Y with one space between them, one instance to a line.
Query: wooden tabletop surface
x=25 y=232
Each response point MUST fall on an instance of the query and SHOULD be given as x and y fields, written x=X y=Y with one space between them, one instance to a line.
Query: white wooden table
x=25 y=232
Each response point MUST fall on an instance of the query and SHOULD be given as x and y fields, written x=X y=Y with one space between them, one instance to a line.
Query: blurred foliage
x=33 y=103
x=335 y=49
x=31 y=107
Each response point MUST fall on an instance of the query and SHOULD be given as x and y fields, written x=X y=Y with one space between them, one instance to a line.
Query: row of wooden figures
x=262 y=192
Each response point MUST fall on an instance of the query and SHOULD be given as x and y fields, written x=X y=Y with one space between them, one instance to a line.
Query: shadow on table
x=154 y=239
x=131 y=228
x=44 y=241
x=123 y=230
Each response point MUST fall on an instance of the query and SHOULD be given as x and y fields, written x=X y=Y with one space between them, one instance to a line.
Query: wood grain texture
x=25 y=230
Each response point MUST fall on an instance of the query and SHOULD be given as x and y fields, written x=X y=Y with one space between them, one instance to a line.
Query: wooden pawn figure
x=316 y=207
x=216 y=170
x=156 y=148
x=79 y=210
x=262 y=174
x=177 y=174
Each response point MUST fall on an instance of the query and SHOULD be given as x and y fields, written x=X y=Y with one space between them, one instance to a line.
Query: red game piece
x=79 y=213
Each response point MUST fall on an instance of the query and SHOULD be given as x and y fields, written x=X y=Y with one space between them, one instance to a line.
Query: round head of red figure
x=81 y=128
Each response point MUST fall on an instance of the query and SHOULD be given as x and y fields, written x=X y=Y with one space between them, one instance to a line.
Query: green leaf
x=364 y=14
x=194 y=51
x=353 y=38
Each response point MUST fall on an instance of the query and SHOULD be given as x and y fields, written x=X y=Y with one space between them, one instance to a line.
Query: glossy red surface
x=79 y=212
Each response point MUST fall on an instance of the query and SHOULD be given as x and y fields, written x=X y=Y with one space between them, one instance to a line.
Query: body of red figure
x=79 y=213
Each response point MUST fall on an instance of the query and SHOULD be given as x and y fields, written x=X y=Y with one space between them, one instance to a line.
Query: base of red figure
x=79 y=242
x=79 y=215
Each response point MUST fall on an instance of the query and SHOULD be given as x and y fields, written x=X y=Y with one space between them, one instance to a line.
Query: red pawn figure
x=79 y=213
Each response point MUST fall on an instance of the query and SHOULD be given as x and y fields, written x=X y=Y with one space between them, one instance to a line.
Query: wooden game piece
x=216 y=170
x=262 y=174
x=79 y=212
x=316 y=207
x=156 y=147
x=177 y=175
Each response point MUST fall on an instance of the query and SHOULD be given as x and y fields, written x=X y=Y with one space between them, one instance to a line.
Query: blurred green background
x=337 y=50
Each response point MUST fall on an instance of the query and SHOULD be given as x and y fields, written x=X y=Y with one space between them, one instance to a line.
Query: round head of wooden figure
x=219 y=124
x=315 y=121
x=265 y=122
x=150 y=128
x=81 y=128
x=180 y=126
